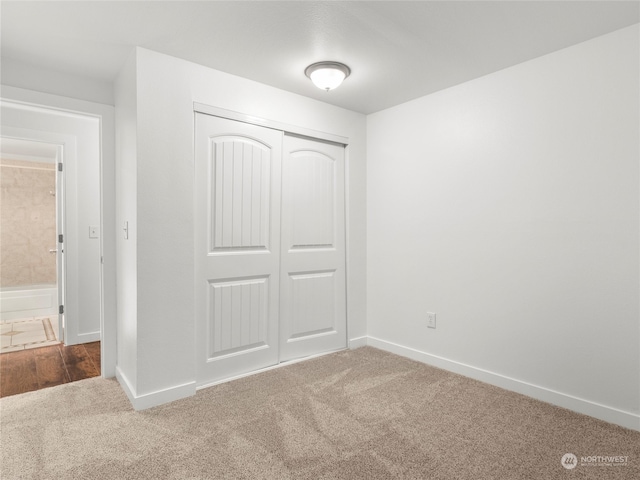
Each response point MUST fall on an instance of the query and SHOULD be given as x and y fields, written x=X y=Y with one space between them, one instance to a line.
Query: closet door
x=237 y=217
x=313 y=290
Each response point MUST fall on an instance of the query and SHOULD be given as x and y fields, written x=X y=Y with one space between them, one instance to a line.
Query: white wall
x=167 y=87
x=23 y=75
x=509 y=205
x=81 y=138
x=125 y=90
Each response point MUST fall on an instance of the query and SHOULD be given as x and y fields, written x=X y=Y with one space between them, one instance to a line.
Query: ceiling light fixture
x=327 y=75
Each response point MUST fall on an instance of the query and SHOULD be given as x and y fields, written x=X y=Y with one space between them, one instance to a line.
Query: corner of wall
x=126 y=213
x=357 y=342
x=153 y=399
x=602 y=412
x=481 y=207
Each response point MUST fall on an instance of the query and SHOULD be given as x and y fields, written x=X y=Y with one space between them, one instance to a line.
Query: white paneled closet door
x=237 y=217
x=269 y=248
x=312 y=287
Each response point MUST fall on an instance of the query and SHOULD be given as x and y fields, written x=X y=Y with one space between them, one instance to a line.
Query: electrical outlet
x=431 y=320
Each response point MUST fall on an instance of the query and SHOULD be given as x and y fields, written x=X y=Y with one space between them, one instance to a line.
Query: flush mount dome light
x=327 y=75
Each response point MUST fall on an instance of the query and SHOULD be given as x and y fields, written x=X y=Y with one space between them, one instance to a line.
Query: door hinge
x=60 y=238
x=61 y=309
x=59 y=167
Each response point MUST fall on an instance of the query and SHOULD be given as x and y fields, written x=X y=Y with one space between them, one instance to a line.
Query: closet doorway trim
x=289 y=129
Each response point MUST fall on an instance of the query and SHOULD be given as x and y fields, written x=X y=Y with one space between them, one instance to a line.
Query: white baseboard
x=357 y=342
x=148 y=400
x=125 y=385
x=580 y=405
x=88 y=337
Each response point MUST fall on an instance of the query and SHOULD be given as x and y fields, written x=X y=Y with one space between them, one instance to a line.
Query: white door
x=313 y=289
x=237 y=217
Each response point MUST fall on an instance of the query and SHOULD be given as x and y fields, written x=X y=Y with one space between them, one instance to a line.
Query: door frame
x=61 y=142
x=60 y=231
x=201 y=108
x=244 y=118
x=105 y=116
x=9 y=133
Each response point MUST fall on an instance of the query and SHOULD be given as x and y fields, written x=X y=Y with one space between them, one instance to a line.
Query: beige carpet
x=361 y=414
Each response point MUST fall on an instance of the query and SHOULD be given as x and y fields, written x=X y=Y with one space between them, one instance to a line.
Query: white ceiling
x=397 y=51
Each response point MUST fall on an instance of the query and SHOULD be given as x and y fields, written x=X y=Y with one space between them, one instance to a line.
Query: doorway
x=76 y=250
x=32 y=354
x=270 y=247
x=31 y=278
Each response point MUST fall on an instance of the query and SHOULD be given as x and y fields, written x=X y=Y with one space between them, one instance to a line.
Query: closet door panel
x=313 y=287
x=237 y=248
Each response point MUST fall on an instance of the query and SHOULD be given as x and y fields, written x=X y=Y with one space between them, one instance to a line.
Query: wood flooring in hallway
x=37 y=368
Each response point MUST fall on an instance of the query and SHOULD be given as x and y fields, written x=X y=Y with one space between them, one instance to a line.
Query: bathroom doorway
x=31 y=229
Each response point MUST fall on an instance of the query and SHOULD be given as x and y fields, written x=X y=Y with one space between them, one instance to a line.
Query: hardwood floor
x=33 y=369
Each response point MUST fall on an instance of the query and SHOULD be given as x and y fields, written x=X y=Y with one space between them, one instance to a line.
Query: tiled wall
x=27 y=223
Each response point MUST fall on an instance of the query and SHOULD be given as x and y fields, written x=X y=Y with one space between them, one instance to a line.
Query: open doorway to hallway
x=32 y=353
x=51 y=328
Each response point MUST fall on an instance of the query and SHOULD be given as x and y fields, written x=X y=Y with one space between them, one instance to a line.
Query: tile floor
x=28 y=333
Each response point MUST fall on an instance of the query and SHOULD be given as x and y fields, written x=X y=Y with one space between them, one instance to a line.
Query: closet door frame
x=244 y=118
x=200 y=108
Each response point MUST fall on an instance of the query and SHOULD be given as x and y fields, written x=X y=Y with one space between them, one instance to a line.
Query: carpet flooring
x=359 y=414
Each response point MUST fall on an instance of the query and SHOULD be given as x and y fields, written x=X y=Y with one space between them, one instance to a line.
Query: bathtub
x=28 y=301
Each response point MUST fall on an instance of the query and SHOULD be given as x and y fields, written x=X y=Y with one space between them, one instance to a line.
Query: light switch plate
x=94 y=232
